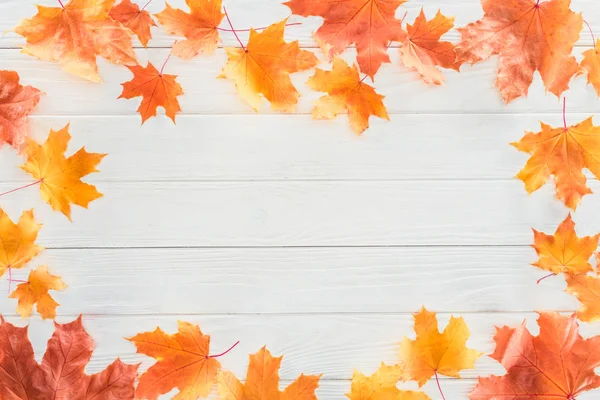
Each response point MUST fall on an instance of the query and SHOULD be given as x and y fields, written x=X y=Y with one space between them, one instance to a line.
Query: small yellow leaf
x=35 y=291
x=18 y=241
x=381 y=386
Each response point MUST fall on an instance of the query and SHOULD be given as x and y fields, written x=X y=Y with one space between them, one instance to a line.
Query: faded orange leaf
x=130 y=16
x=35 y=291
x=381 y=386
x=587 y=290
x=18 y=241
x=591 y=65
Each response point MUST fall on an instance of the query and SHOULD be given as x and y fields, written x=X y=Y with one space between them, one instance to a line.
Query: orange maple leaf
x=564 y=252
x=61 y=374
x=18 y=241
x=370 y=24
x=130 y=16
x=587 y=290
x=556 y=364
x=157 y=89
x=60 y=177
x=183 y=362
x=35 y=291
x=591 y=65
x=422 y=49
x=529 y=36
x=381 y=386
x=264 y=65
x=74 y=35
x=346 y=92
x=16 y=102
x=262 y=382
x=563 y=152
x=199 y=27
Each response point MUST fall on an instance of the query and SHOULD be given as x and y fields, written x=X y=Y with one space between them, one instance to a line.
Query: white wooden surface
x=279 y=230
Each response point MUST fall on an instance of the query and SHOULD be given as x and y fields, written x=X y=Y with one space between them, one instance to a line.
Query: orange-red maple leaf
x=61 y=374
x=370 y=24
x=16 y=102
x=199 y=27
x=157 y=89
x=591 y=65
x=130 y=16
x=528 y=36
x=556 y=364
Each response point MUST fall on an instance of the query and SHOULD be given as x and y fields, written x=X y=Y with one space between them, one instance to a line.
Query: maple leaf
x=556 y=364
x=130 y=16
x=422 y=49
x=60 y=177
x=528 y=36
x=18 y=241
x=183 y=362
x=564 y=251
x=262 y=382
x=587 y=290
x=16 y=102
x=74 y=35
x=370 y=24
x=35 y=291
x=435 y=353
x=61 y=374
x=157 y=89
x=199 y=26
x=381 y=386
x=591 y=65
x=264 y=67
x=346 y=92
x=563 y=152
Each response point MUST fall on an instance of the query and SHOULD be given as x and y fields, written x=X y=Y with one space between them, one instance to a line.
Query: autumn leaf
x=563 y=152
x=381 y=386
x=199 y=27
x=60 y=177
x=591 y=65
x=74 y=35
x=556 y=364
x=157 y=89
x=61 y=374
x=423 y=51
x=564 y=251
x=263 y=67
x=587 y=290
x=35 y=291
x=262 y=382
x=370 y=24
x=18 y=241
x=16 y=102
x=130 y=16
x=435 y=353
x=183 y=362
x=528 y=36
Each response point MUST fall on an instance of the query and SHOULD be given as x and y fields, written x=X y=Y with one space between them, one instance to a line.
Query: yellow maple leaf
x=262 y=382
x=381 y=386
x=435 y=353
x=18 y=241
x=60 y=177
x=346 y=92
x=264 y=65
x=35 y=291
x=591 y=65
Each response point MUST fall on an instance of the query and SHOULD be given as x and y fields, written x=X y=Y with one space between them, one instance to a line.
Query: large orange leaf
x=130 y=16
x=262 y=382
x=16 y=102
x=381 y=386
x=18 y=241
x=528 y=36
x=61 y=374
x=370 y=24
x=346 y=92
x=435 y=353
x=75 y=35
x=591 y=65
x=60 y=177
x=556 y=364
x=199 y=26
x=157 y=89
x=183 y=362
x=35 y=291
x=563 y=152
x=263 y=67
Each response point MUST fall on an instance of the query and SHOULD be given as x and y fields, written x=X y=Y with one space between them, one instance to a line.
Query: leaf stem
x=545 y=277
x=226 y=351
x=61 y=4
x=165 y=63
x=22 y=187
x=256 y=29
x=233 y=30
x=437 y=380
x=146 y=5
x=565 y=112
x=591 y=33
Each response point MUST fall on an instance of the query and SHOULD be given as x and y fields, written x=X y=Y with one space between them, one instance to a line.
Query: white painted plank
x=471 y=91
x=459 y=279
x=257 y=13
x=332 y=344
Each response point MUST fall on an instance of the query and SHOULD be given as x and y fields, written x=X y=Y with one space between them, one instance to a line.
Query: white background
x=280 y=230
